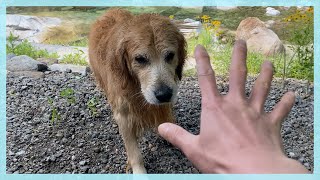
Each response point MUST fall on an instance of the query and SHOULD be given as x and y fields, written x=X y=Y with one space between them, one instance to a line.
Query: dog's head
x=153 y=52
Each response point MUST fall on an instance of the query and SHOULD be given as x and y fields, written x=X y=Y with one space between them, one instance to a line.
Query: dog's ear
x=182 y=53
x=122 y=63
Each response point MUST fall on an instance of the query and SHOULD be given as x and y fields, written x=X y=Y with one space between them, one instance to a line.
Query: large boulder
x=9 y=56
x=190 y=29
x=25 y=63
x=48 y=61
x=31 y=28
x=272 y=12
x=258 y=37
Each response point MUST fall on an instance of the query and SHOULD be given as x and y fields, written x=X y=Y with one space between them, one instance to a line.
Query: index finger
x=206 y=77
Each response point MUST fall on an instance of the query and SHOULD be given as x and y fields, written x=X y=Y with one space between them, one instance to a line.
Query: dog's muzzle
x=163 y=94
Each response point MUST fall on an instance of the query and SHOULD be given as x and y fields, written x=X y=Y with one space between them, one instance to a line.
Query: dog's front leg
x=130 y=138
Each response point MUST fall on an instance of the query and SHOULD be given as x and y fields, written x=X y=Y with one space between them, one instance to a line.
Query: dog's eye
x=141 y=60
x=169 y=56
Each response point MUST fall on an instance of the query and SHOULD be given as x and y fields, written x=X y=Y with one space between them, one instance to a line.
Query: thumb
x=177 y=136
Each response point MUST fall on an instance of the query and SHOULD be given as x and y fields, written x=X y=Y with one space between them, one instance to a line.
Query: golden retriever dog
x=138 y=62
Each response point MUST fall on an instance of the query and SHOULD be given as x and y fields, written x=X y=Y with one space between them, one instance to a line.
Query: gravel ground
x=80 y=142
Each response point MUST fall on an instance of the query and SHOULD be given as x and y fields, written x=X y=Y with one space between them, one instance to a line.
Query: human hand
x=236 y=134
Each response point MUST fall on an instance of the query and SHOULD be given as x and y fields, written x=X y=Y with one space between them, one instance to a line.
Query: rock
x=283 y=8
x=59 y=135
x=306 y=164
x=270 y=23
x=292 y=155
x=68 y=70
x=81 y=163
x=190 y=29
x=25 y=63
x=32 y=74
x=258 y=37
x=84 y=168
x=188 y=20
x=64 y=140
x=67 y=67
x=10 y=153
x=48 y=61
x=96 y=150
x=301 y=159
x=73 y=157
x=52 y=158
x=302 y=8
x=20 y=153
x=10 y=55
x=272 y=12
x=31 y=28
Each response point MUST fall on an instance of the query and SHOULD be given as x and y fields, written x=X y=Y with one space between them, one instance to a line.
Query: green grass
x=220 y=55
x=221 y=61
x=55 y=115
x=81 y=42
x=25 y=48
x=75 y=58
x=68 y=94
x=190 y=72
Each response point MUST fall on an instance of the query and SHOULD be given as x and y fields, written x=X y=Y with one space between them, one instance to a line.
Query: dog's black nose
x=163 y=93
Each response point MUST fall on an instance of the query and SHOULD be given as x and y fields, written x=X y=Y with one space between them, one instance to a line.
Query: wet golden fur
x=111 y=43
x=108 y=51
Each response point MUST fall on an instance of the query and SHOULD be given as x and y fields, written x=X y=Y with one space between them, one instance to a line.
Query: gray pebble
x=81 y=163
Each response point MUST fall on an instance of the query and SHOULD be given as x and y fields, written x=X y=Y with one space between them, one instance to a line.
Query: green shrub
x=25 y=48
x=75 y=58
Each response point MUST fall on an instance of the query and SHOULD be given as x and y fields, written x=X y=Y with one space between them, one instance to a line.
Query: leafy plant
x=75 y=58
x=54 y=111
x=68 y=93
x=25 y=48
x=81 y=42
x=301 y=35
x=92 y=105
x=11 y=39
x=208 y=35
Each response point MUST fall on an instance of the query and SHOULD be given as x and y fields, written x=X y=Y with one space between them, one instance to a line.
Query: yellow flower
x=205 y=17
x=171 y=17
x=216 y=23
x=310 y=9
